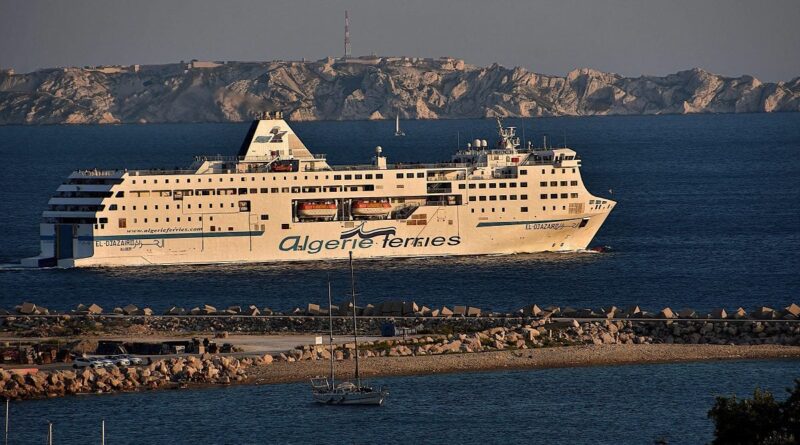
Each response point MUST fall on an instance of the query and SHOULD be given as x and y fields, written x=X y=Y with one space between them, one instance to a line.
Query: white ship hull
x=235 y=215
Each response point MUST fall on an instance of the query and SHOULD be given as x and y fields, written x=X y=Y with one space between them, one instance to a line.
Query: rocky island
x=366 y=88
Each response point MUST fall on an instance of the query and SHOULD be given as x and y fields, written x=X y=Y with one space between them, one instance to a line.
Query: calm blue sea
x=708 y=215
x=603 y=405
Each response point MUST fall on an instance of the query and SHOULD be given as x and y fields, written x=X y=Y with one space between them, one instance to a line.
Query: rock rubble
x=158 y=374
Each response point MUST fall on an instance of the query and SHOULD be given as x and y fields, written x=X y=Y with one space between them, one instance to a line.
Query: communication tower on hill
x=347 y=51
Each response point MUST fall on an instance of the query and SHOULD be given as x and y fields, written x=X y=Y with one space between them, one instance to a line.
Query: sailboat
x=324 y=389
x=397 y=130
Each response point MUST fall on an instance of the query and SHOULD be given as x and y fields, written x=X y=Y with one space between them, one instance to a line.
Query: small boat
x=370 y=208
x=325 y=210
x=325 y=390
x=282 y=167
x=397 y=130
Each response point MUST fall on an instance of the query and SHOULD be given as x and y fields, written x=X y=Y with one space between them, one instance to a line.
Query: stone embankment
x=205 y=370
x=545 y=333
x=29 y=320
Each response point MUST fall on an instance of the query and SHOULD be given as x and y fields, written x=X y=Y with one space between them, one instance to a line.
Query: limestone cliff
x=367 y=88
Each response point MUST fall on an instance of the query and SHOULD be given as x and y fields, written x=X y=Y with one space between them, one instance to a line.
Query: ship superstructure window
x=264 y=217
x=482 y=198
x=359 y=176
x=492 y=185
x=472 y=186
x=523 y=184
x=513 y=197
x=543 y=196
x=543 y=184
x=502 y=185
x=120 y=194
x=112 y=207
x=462 y=186
x=348 y=177
x=482 y=186
x=564 y=196
x=554 y=196
x=573 y=195
x=420 y=175
x=377 y=176
x=563 y=183
x=472 y=198
x=573 y=183
x=399 y=176
x=524 y=210
x=513 y=185
x=122 y=223
x=367 y=177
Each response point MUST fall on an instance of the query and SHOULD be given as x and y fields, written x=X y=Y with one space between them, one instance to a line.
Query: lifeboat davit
x=316 y=210
x=370 y=208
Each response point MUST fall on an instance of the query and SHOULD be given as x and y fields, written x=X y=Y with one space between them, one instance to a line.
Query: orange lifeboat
x=316 y=210
x=370 y=208
x=281 y=167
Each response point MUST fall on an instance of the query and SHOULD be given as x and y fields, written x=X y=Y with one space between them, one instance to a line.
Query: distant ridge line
x=367 y=87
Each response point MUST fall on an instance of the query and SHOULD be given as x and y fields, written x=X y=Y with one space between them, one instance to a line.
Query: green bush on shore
x=760 y=420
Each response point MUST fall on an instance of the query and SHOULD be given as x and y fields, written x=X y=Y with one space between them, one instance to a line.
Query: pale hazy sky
x=629 y=37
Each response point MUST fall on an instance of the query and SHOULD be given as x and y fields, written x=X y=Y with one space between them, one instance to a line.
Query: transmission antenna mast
x=347 y=51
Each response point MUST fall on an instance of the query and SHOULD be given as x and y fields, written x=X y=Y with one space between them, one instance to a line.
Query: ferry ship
x=276 y=201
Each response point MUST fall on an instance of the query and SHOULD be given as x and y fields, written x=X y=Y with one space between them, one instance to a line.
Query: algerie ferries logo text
x=358 y=238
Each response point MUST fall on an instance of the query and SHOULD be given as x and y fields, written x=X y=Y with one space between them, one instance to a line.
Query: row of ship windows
x=521 y=209
x=122 y=223
x=180 y=194
x=492 y=185
x=316 y=189
x=275 y=178
x=523 y=197
x=335 y=177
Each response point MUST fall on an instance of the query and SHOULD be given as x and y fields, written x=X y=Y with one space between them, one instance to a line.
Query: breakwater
x=740 y=325
x=160 y=374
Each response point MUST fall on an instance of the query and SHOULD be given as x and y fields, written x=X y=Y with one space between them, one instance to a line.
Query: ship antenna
x=522 y=123
x=564 y=130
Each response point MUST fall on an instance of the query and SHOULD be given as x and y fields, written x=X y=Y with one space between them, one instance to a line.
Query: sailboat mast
x=397 y=124
x=330 y=324
x=355 y=326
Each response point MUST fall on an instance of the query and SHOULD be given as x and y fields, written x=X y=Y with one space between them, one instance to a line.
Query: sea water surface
x=707 y=215
x=602 y=405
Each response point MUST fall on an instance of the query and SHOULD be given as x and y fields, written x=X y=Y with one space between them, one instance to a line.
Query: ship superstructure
x=276 y=201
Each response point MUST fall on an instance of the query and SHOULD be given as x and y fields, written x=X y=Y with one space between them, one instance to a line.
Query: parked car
x=136 y=361
x=119 y=360
x=108 y=363
x=87 y=362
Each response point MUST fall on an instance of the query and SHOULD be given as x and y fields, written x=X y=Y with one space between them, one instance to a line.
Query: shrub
x=760 y=420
